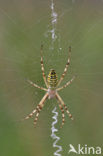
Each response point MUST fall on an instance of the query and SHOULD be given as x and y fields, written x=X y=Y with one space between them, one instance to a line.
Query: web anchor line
x=53 y=135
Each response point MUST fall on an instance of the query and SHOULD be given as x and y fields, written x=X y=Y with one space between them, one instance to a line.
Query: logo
x=84 y=149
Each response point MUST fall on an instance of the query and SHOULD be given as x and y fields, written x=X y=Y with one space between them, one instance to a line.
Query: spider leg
x=39 y=107
x=63 y=116
x=35 y=85
x=66 y=67
x=67 y=84
x=30 y=115
x=42 y=67
x=37 y=115
x=65 y=107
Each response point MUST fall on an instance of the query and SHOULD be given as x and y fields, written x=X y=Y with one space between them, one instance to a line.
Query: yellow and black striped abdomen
x=52 y=79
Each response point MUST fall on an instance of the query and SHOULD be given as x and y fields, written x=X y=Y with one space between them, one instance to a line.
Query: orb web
x=24 y=29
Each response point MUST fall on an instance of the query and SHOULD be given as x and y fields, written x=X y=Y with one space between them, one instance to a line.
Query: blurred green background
x=24 y=26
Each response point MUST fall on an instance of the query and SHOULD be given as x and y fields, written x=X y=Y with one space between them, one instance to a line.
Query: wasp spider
x=52 y=89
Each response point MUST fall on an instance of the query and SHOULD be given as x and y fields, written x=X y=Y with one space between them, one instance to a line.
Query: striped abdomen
x=52 y=79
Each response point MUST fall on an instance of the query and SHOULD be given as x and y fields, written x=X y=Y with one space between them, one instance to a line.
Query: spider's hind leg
x=35 y=85
x=66 y=68
x=42 y=67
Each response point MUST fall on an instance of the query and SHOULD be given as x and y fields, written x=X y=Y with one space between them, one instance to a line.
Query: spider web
x=24 y=27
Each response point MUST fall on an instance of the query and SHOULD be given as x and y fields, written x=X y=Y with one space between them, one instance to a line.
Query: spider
x=52 y=89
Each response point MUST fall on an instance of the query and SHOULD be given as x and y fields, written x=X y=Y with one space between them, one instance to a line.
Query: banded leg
x=67 y=84
x=42 y=67
x=37 y=115
x=30 y=115
x=39 y=107
x=63 y=116
x=35 y=85
x=65 y=107
x=66 y=67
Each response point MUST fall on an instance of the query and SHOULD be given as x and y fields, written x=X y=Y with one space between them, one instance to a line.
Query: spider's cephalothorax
x=52 y=89
x=52 y=79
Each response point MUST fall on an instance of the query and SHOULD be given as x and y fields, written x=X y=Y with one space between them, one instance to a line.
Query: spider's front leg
x=38 y=109
x=65 y=107
x=63 y=116
x=40 y=106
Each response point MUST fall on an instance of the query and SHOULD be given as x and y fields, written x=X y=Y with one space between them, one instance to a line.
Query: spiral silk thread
x=53 y=135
